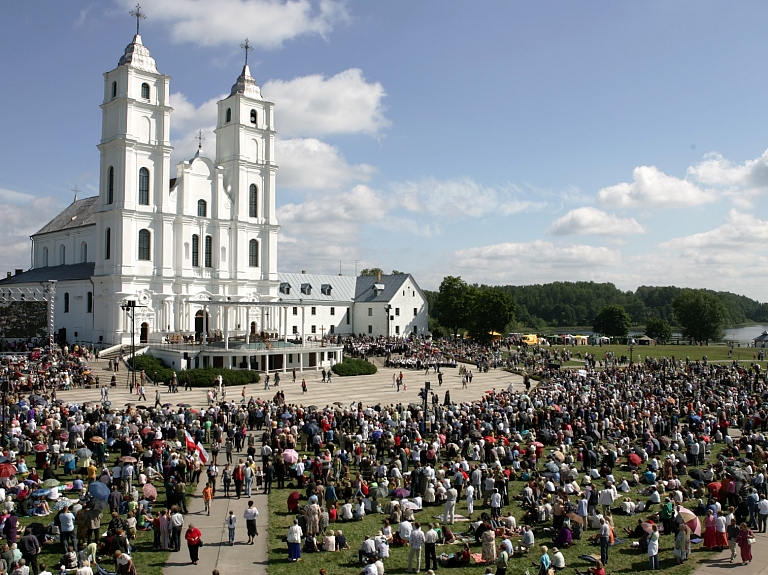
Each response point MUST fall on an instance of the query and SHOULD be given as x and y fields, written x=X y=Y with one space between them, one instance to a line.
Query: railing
x=273 y=345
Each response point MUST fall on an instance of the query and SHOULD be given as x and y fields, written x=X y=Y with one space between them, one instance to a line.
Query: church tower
x=245 y=146
x=134 y=167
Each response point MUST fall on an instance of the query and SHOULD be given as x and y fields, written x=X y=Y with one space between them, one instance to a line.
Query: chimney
x=9 y=275
x=378 y=278
x=303 y=271
x=18 y=272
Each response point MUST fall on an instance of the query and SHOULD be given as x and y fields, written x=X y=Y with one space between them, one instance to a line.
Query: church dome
x=246 y=85
x=138 y=56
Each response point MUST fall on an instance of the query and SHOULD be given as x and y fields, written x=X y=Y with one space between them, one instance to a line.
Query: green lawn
x=147 y=560
x=623 y=559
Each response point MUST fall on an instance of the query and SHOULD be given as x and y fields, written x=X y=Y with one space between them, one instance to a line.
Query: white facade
x=196 y=246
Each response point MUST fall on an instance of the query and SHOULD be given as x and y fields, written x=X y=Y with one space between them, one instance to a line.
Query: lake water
x=744 y=334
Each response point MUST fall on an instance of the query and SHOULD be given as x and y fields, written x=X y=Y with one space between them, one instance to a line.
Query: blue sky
x=506 y=142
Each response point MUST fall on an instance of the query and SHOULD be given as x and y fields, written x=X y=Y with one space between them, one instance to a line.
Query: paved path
x=721 y=564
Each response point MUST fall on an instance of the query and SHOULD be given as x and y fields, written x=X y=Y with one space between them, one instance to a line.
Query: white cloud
x=186 y=120
x=591 y=221
x=652 y=188
x=325 y=228
x=743 y=182
x=536 y=261
x=739 y=231
x=23 y=215
x=266 y=23
x=310 y=164
x=455 y=199
x=318 y=106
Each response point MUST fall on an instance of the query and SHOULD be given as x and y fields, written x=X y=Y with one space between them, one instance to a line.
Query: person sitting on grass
x=341 y=541
x=598 y=569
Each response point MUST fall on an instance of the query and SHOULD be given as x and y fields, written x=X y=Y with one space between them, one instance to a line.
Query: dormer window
x=377 y=289
x=285 y=288
x=306 y=289
x=254 y=117
x=325 y=289
x=145 y=91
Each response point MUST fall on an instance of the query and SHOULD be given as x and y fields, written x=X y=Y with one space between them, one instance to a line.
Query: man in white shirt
x=430 y=544
x=404 y=530
x=416 y=541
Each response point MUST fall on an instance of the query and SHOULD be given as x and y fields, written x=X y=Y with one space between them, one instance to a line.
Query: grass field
x=147 y=560
x=713 y=353
x=623 y=558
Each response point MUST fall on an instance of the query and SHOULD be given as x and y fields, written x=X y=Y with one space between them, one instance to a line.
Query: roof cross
x=76 y=192
x=248 y=48
x=200 y=139
x=139 y=15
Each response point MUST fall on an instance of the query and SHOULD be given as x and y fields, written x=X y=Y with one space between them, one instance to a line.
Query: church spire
x=246 y=85
x=136 y=54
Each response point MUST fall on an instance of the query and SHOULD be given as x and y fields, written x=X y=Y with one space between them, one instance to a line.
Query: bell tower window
x=108 y=244
x=195 y=250
x=253 y=254
x=208 y=251
x=144 y=186
x=253 y=202
x=145 y=91
x=229 y=115
x=114 y=90
x=111 y=185
x=144 y=245
x=254 y=117
x=202 y=209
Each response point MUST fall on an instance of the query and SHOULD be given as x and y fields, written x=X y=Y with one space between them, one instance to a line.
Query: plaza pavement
x=370 y=390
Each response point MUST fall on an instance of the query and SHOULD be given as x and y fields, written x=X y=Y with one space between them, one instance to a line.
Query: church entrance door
x=201 y=319
x=144 y=334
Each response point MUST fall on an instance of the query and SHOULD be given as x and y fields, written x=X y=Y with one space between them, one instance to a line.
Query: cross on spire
x=248 y=48
x=76 y=192
x=139 y=15
x=200 y=139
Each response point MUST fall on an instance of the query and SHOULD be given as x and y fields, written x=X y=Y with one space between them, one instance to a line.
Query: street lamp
x=130 y=306
x=631 y=349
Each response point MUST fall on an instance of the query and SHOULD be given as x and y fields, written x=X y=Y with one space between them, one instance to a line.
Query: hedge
x=199 y=377
x=352 y=366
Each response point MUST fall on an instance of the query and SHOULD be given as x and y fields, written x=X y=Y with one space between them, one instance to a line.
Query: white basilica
x=196 y=251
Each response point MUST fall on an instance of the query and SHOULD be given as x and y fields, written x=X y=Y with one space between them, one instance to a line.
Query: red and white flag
x=192 y=446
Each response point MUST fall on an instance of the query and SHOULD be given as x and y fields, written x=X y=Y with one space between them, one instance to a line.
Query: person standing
x=746 y=540
x=194 y=542
x=605 y=540
x=67 y=522
x=416 y=541
x=303 y=386
x=450 y=506
x=294 y=537
x=430 y=544
x=250 y=515
x=231 y=522
x=207 y=497
x=177 y=523
x=30 y=549
x=653 y=548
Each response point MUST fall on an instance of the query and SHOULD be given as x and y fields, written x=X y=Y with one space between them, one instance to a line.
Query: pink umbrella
x=149 y=491
x=690 y=519
x=290 y=456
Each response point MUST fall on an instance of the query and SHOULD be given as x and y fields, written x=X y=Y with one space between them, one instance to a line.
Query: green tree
x=454 y=303
x=371 y=272
x=492 y=311
x=397 y=273
x=658 y=329
x=613 y=321
x=700 y=314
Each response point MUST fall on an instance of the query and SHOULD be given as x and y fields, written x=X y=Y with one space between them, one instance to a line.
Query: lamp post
x=631 y=349
x=129 y=306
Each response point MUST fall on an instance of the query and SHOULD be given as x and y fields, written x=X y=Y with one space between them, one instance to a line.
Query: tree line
x=699 y=314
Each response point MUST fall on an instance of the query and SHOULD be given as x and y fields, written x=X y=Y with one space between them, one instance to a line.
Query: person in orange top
x=207 y=496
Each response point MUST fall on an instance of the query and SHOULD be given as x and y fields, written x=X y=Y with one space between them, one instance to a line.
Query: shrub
x=352 y=366
x=199 y=377
x=205 y=376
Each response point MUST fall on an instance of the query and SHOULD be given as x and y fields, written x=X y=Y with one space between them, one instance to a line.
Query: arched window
x=45 y=258
x=253 y=201
x=111 y=185
x=202 y=209
x=229 y=115
x=144 y=186
x=195 y=250
x=114 y=89
x=62 y=255
x=83 y=252
x=89 y=302
x=208 y=251
x=253 y=254
x=254 y=117
x=108 y=243
x=144 y=245
x=145 y=91
x=66 y=302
